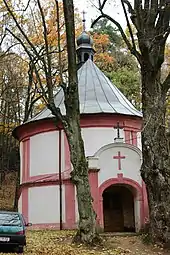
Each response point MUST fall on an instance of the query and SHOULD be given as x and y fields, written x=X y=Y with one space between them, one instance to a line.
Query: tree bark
x=156 y=159
x=87 y=231
x=151 y=20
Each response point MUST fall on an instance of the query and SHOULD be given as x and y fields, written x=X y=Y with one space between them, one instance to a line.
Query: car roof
x=9 y=212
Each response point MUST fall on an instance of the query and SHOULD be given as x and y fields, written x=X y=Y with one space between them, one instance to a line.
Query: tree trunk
x=17 y=190
x=87 y=231
x=151 y=22
x=156 y=161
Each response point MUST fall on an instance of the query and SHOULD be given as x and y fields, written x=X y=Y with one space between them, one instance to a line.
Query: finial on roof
x=84 y=20
x=118 y=129
x=85 y=49
x=118 y=139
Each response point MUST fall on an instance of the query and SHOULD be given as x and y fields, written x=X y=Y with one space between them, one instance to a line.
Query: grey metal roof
x=96 y=93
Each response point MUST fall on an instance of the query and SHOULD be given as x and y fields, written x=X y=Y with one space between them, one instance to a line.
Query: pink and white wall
x=44 y=148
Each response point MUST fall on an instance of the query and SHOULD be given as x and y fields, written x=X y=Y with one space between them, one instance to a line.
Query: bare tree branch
x=117 y=24
x=21 y=42
x=48 y=66
x=30 y=82
x=103 y=15
x=26 y=7
x=167 y=33
x=31 y=106
x=130 y=9
x=71 y=49
x=102 y=5
x=59 y=46
x=3 y=37
x=8 y=50
x=20 y=29
x=129 y=26
x=31 y=58
x=162 y=24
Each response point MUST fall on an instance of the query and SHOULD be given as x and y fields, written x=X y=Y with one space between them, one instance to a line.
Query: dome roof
x=84 y=38
x=96 y=94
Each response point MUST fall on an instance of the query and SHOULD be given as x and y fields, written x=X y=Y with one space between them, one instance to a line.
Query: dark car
x=12 y=230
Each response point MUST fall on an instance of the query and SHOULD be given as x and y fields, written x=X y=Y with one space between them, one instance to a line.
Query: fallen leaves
x=53 y=242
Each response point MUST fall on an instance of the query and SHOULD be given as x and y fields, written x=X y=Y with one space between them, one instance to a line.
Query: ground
x=59 y=243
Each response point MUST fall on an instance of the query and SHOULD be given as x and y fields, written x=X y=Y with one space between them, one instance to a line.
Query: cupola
x=84 y=39
x=85 y=49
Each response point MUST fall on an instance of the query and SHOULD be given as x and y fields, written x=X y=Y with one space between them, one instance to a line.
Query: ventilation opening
x=86 y=56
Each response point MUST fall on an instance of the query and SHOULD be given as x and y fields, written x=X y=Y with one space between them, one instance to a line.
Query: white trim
x=113 y=145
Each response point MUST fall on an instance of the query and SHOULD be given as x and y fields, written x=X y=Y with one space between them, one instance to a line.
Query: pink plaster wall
x=25 y=176
x=138 y=193
x=131 y=127
x=130 y=123
x=47 y=180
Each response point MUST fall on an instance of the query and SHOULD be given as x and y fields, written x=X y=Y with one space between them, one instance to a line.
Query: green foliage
x=128 y=81
x=103 y=27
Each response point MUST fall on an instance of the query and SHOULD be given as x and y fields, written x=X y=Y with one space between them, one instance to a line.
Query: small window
x=86 y=56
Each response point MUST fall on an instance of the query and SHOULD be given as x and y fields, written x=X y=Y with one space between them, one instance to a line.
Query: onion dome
x=84 y=39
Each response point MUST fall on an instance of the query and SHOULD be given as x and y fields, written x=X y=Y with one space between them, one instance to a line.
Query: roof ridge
x=102 y=87
x=112 y=86
x=96 y=94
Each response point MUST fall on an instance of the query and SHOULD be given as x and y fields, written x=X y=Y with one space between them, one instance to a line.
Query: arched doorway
x=118 y=209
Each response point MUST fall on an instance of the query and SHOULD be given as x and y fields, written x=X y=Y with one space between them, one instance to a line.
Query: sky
x=112 y=8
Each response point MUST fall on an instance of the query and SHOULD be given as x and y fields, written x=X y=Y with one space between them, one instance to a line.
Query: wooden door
x=113 y=212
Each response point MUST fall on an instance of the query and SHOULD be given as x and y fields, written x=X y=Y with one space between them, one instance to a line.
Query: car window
x=9 y=219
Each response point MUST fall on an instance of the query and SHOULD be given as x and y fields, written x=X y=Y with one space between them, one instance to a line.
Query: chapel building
x=111 y=129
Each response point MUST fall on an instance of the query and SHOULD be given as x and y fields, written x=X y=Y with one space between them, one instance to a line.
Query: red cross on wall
x=119 y=157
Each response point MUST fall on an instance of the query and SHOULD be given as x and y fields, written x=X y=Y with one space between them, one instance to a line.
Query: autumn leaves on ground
x=59 y=242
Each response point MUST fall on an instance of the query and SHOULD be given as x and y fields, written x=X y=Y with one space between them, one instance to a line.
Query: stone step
x=110 y=234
